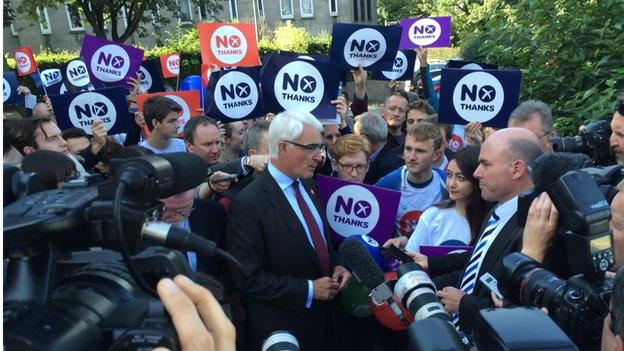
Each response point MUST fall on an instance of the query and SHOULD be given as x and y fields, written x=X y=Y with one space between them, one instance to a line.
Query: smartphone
x=491 y=283
x=394 y=252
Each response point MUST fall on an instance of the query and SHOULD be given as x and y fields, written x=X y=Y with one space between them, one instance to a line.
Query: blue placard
x=487 y=96
x=233 y=95
x=403 y=68
x=81 y=109
x=373 y=47
x=311 y=57
x=9 y=90
x=52 y=78
x=151 y=80
x=300 y=85
x=469 y=65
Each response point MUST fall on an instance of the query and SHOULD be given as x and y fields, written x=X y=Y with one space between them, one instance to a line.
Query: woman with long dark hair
x=456 y=220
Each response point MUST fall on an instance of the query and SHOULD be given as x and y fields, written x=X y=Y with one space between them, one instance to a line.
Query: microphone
x=547 y=168
x=545 y=171
x=173 y=237
x=156 y=177
x=368 y=272
x=361 y=262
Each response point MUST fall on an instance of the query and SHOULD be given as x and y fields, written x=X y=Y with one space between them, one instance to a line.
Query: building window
x=306 y=8
x=261 y=8
x=286 y=9
x=333 y=7
x=186 y=16
x=233 y=9
x=44 y=21
x=74 y=18
x=156 y=19
x=124 y=16
x=369 y=11
x=202 y=11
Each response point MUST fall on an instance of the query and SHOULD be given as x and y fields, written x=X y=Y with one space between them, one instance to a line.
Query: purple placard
x=436 y=251
x=109 y=62
x=356 y=209
x=432 y=32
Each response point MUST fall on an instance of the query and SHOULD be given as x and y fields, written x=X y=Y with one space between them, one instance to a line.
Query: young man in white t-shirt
x=161 y=115
x=420 y=184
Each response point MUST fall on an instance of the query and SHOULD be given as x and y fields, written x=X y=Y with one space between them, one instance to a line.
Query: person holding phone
x=456 y=220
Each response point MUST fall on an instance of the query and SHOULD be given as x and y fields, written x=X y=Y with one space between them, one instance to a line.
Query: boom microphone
x=361 y=262
x=156 y=177
x=550 y=167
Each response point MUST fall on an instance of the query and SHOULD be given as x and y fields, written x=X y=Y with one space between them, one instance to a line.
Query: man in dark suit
x=383 y=159
x=503 y=174
x=277 y=229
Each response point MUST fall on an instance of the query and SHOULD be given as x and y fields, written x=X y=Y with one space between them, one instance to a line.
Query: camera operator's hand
x=198 y=318
x=498 y=303
x=259 y=162
x=450 y=298
x=540 y=227
x=399 y=242
x=419 y=258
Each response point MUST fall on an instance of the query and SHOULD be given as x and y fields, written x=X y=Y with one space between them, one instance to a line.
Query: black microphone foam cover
x=361 y=262
x=190 y=170
x=547 y=168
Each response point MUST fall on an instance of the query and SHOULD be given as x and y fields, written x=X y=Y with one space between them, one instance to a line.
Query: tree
x=137 y=13
x=570 y=54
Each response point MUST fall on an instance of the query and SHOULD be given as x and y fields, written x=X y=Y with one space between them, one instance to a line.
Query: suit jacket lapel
x=503 y=240
x=282 y=207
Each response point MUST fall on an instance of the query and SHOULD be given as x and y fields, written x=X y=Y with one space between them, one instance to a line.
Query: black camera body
x=593 y=141
x=577 y=305
x=63 y=290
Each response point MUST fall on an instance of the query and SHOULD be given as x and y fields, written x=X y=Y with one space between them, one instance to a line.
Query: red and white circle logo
x=173 y=64
x=23 y=62
x=228 y=44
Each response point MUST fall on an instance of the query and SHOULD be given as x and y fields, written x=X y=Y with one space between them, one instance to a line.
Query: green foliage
x=570 y=54
x=186 y=41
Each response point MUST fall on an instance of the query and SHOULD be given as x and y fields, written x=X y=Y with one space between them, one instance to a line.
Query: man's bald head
x=503 y=163
x=617 y=225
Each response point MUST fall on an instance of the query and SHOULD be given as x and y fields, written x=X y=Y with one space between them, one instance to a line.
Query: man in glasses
x=617 y=132
x=278 y=230
x=161 y=115
x=535 y=116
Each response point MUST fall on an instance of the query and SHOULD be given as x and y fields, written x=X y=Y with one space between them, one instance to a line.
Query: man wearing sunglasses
x=278 y=230
x=617 y=132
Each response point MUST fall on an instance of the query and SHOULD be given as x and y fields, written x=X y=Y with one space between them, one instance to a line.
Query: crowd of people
x=269 y=215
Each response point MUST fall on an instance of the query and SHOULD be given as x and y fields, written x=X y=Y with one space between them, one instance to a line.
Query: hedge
x=286 y=37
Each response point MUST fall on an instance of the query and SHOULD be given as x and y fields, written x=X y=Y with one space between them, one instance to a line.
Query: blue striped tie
x=472 y=270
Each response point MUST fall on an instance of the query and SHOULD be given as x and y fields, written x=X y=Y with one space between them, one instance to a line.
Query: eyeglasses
x=358 y=168
x=310 y=148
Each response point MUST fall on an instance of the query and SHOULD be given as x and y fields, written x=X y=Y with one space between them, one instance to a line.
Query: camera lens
x=280 y=340
x=527 y=284
x=418 y=293
x=569 y=144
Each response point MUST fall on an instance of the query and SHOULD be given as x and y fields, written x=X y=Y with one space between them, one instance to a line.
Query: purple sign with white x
x=357 y=209
x=109 y=62
x=432 y=32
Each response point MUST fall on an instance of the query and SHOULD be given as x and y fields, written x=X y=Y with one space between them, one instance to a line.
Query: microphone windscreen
x=190 y=170
x=547 y=168
x=361 y=262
